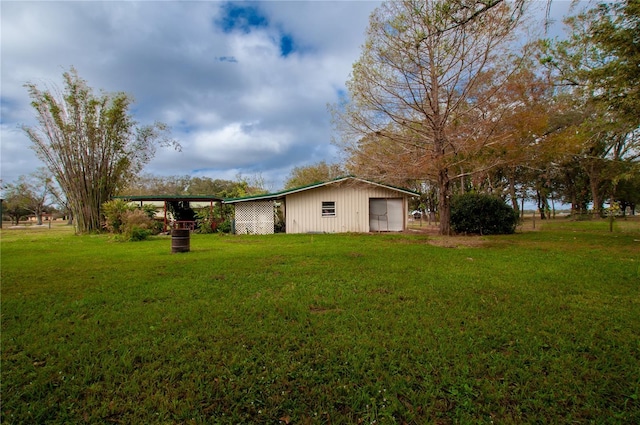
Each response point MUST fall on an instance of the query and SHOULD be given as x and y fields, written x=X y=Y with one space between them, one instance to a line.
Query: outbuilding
x=346 y=204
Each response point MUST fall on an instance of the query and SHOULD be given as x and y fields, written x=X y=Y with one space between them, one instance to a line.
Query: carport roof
x=188 y=198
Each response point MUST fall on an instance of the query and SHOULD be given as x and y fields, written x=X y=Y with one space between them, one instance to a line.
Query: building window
x=329 y=209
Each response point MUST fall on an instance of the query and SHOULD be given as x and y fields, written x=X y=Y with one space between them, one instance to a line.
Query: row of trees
x=148 y=184
x=32 y=195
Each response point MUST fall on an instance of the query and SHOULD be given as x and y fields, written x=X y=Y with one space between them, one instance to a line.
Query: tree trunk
x=574 y=204
x=543 y=206
x=595 y=180
x=595 y=194
x=444 y=184
x=512 y=193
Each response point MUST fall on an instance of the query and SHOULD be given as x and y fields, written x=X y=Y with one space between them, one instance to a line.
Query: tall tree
x=417 y=84
x=90 y=143
x=598 y=68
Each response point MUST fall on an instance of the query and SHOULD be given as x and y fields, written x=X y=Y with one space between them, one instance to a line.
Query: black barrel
x=180 y=240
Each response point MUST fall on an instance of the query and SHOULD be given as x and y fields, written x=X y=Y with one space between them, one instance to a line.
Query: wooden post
x=534 y=218
x=165 y=216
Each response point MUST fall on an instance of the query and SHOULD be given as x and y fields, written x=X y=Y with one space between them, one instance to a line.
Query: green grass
x=537 y=327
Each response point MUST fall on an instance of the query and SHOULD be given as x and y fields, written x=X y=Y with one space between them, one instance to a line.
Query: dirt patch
x=457 y=241
x=26 y=227
x=317 y=309
x=446 y=241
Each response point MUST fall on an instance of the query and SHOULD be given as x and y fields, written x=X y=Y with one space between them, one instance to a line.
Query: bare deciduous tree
x=424 y=85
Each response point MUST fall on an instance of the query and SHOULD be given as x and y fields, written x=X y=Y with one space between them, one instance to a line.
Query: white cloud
x=238 y=143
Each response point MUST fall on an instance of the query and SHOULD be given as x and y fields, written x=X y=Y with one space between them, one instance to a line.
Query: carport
x=182 y=202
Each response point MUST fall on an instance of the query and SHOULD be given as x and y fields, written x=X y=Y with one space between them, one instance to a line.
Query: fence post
x=534 y=218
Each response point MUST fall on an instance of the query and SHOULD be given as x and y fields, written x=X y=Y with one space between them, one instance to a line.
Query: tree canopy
x=320 y=172
x=148 y=184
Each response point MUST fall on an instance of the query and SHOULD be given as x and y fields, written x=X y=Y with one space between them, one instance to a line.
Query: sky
x=244 y=86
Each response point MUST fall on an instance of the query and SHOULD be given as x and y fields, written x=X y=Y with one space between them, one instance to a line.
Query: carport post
x=165 y=216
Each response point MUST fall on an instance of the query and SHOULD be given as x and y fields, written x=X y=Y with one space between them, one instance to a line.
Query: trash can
x=180 y=240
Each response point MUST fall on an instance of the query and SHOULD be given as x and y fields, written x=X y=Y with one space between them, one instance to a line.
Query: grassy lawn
x=538 y=327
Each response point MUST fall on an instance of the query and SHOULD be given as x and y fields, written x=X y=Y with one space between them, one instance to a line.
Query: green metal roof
x=282 y=194
x=189 y=198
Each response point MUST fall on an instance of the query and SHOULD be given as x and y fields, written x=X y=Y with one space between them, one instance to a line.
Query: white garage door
x=386 y=215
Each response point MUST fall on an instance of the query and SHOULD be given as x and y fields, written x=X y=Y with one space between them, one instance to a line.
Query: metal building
x=346 y=204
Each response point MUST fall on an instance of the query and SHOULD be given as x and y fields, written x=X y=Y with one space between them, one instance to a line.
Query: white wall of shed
x=304 y=209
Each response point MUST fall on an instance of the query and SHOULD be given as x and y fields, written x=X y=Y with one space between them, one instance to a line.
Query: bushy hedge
x=129 y=222
x=137 y=226
x=482 y=214
x=114 y=214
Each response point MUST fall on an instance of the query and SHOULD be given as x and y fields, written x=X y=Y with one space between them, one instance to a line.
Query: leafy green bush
x=482 y=214
x=279 y=221
x=138 y=234
x=150 y=210
x=114 y=212
x=224 y=227
x=137 y=226
x=134 y=223
x=205 y=220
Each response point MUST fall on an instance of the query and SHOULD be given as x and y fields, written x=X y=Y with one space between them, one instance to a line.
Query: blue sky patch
x=241 y=17
x=247 y=16
x=286 y=45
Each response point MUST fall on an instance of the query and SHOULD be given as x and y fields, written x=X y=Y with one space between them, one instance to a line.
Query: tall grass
x=537 y=327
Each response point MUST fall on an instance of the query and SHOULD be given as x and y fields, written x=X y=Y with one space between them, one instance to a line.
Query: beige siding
x=304 y=209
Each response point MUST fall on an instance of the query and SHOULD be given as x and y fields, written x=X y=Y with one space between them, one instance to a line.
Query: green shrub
x=122 y=217
x=482 y=214
x=205 y=220
x=138 y=234
x=224 y=227
x=137 y=226
x=114 y=212
x=150 y=210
